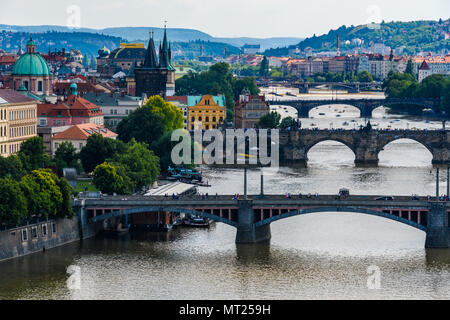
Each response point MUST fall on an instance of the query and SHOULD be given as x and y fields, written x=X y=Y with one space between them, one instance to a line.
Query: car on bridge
x=385 y=198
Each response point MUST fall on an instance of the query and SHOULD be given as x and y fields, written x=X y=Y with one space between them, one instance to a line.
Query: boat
x=116 y=232
x=321 y=114
x=183 y=174
x=345 y=124
x=196 y=221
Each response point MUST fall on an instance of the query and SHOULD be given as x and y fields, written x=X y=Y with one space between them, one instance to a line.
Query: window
x=24 y=235
x=53 y=228
x=34 y=232
x=39 y=85
x=44 y=230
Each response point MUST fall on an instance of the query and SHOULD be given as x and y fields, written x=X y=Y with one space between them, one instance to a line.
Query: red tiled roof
x=181 y=99
x=424 y=66
x=83 y=132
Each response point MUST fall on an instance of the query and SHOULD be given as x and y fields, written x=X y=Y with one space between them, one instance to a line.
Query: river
x=318 y=256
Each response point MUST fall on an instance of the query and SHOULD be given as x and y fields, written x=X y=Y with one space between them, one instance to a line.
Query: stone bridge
x=366 y=145
x=351 y=87
x=365 y=106
x=252 y=216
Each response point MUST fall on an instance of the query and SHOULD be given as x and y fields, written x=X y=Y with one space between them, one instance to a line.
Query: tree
x=107 y=179
x=44 y=197
x=410 y=68
x=11 y=167
x=32 y=154
x=13 y=205
x=66 y=157
x=151 y=121
x=140 y=164
x=98 y=149
x=365 y=76
x=269 y=121
x=287 y=123
x=264 y=68
x=65 y=209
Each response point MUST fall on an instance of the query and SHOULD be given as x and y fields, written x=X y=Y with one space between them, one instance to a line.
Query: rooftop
x=83 y=132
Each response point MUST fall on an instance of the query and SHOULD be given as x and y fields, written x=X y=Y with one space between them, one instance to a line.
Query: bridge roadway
x=252 y=216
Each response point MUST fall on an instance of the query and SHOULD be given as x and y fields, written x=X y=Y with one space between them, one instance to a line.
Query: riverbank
x=37 y=237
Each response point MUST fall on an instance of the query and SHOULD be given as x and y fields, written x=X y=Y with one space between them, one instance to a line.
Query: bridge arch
x=333 y=139
x=338 y=209
x=327 y=107
x=128 y=211
x=399 y=138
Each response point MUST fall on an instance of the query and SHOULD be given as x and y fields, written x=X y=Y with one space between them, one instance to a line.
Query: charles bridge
x=304 y=87
x=365 y=144
x=253 y=215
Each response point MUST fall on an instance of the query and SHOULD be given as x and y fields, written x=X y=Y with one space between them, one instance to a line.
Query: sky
x=222 y=18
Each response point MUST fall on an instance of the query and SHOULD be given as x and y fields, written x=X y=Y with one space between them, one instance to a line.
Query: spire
x=150 y=56
x=164 y=55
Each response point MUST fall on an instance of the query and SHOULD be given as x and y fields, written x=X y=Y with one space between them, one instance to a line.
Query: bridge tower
x=438 y=234
x=247 y=232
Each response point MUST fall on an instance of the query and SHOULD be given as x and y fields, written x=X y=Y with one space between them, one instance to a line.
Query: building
x=78 y=135
x=206 y=114
x=17 y=120
x=424 y=71
x=32 y=72
x=115 y=106
x=155 y=77
x=249 y=109
x=186 y=102
x=74 y=110
x=120 y=59
x=251 y=48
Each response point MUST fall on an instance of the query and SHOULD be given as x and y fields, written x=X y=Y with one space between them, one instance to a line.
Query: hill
x=142 y=34
x=415 y=36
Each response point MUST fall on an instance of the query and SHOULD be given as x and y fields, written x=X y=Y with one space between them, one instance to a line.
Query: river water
x=318 y=256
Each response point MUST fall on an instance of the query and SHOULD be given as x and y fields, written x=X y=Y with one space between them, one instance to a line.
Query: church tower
x=156 y=76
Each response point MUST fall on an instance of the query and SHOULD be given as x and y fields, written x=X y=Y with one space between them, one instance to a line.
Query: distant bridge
x=365 y=106
x=252 y=217
x=304 y=87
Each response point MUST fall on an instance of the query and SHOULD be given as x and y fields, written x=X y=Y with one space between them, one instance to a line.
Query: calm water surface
x=318 y=256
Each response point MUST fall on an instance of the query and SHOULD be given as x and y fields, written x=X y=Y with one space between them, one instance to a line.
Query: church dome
x=103 y=52
x=31 y=64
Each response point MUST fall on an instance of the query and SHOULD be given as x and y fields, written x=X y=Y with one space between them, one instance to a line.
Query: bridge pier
x=437 y=226
x=365 y=156
x=247 y=232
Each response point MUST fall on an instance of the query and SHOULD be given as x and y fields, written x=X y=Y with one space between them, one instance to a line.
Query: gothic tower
x=156 y=76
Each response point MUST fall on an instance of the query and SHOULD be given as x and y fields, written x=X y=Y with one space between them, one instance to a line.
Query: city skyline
x=261 y=19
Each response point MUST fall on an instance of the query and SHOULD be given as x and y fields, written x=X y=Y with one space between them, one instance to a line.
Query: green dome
x=103 y=52
x=31 y=64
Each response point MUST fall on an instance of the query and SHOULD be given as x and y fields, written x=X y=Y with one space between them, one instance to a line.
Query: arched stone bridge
x=366 y=145
x=252 y=217
x=365 y=106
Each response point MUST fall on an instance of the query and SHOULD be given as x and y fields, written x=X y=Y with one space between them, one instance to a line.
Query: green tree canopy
x=264 y=67
x=107 y=179
x=44 y=197
x=287 y=122
x=269 y=121
x=66 y=156
x=13 y=205
x=32 y=154
x=98 y=149
x=11 y=167
x=141 y=164
x=151 y=121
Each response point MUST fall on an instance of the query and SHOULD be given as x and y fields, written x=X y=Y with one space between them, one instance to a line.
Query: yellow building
x=20 y=123
x=206 y=114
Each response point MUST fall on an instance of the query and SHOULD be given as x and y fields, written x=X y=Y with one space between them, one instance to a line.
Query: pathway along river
x=319 y=256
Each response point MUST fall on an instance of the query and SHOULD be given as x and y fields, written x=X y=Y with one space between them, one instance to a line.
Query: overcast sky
x=222 y=18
